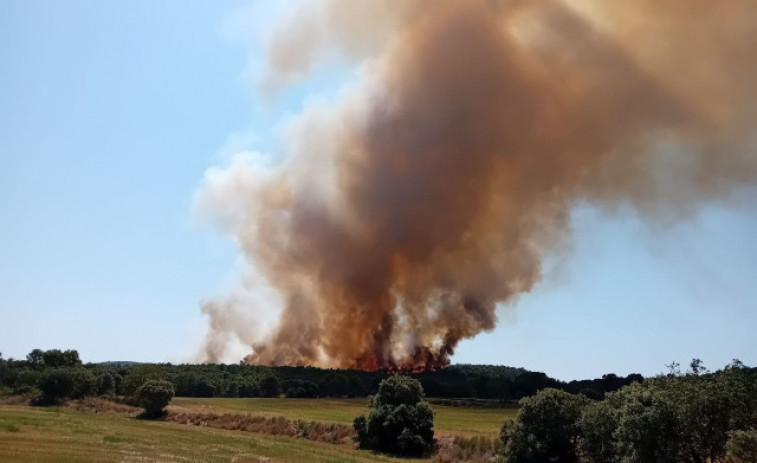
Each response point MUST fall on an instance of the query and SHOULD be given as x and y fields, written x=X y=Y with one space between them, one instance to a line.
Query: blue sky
x=110 y=112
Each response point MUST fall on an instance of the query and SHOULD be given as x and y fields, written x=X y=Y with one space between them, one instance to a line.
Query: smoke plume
x=398 y=218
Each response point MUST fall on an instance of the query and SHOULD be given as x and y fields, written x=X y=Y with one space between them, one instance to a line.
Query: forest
x=488 y=384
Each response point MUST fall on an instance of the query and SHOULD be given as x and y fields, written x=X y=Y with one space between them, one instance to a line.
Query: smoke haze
x=397 y=219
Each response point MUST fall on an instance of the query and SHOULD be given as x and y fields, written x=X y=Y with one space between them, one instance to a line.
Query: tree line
x=41 y=370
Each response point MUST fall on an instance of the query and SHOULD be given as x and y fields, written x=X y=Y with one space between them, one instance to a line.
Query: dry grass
x=103 y=405
x=332 y=433
x=448 y=421
x=478 y=449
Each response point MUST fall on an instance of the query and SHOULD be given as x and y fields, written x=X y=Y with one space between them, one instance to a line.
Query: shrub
x=26 y=381
x=106 y=384
x=546 y=429
x=55 y=384
x=597 y=426
x=84 y=383
x=400 y=421
x=154 y=395
x=138 y=375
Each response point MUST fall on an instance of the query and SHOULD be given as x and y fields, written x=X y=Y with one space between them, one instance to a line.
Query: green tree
x=56 y=358
x=399 y=422
x=269 y=386
x=106 y=384
x=546 y=429
x=84 y=383
x=598 y=424
x=138 y=375
x=26 y=381
x=55 y=384
x=154 y=396
x=36 y=358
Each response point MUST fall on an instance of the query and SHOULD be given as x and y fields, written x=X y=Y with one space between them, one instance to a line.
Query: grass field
x=448 y=420
x=61 y=435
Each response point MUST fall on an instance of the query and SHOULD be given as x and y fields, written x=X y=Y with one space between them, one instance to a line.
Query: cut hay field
x=62 y=435
x=448 y=420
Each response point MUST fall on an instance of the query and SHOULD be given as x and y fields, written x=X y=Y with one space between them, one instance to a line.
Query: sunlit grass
x=448 y=420
x=31 y=434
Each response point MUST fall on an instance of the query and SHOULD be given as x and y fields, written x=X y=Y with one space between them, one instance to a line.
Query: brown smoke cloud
x=401 y=216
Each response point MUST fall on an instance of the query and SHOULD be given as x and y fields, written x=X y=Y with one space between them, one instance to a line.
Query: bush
x=154 y=395
x=742 y=446
x=138 y=375
x=597 y=426
x=84 y=383
x=400 y=422
x=106 y=384
x=546 y=429
x=55 y=384
x=25 y=382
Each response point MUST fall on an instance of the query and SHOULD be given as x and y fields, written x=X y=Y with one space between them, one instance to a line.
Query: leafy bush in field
x=742 y=446
x=400 y=421
x=546 y=429
x=154 y=396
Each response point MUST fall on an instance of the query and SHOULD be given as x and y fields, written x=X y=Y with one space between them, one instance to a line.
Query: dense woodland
x=493 y=383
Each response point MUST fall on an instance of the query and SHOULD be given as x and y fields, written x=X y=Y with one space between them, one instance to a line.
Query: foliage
x=55 y=384
x=673 y=418
x=598 y=424
x=84 y=383
x=154 y=396
x=269 y=386
x=138 y=375
x=400 y=421
x=298 y=389
x=500 y=383
x=742 y=445
x=106 y=384
x=546 y=429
